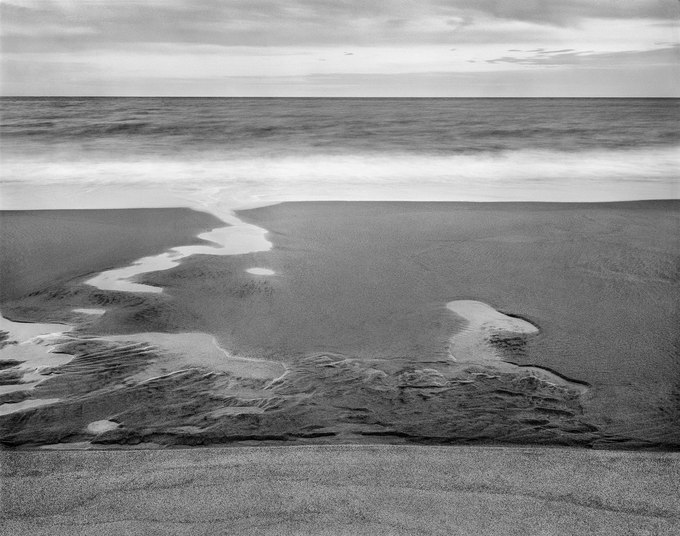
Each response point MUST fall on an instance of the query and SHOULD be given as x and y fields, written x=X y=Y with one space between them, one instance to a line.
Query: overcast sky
x=341 y=47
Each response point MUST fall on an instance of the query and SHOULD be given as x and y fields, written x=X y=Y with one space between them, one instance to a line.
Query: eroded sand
x=27 y=358
x=185 y=350
x=484 y=338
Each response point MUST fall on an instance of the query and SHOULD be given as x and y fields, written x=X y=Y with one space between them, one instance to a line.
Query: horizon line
x=325 y=97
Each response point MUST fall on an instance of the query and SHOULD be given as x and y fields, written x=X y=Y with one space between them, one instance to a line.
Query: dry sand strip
x=340 y=489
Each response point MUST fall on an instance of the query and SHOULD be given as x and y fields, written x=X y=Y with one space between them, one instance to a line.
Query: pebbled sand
x=352 y=490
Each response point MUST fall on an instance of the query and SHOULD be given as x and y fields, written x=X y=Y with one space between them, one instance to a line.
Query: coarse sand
x=340 y=490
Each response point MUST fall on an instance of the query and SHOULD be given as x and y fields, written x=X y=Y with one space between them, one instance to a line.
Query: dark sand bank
x=340 y=490
x=357 y=313
x=43 y=247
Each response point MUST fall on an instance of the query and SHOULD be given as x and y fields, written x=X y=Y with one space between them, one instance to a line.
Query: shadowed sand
x=341 y=490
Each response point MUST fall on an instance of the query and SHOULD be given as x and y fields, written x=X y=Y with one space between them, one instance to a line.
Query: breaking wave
x=530 y=175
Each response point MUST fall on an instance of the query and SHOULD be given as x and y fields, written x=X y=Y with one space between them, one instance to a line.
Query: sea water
x=225 y=153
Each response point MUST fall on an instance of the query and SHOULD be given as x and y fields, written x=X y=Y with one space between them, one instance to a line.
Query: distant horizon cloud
x=259 y=47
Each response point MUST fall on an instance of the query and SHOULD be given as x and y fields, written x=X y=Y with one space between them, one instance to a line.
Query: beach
x=339 y=316
x=341 y=490
x=351 y=332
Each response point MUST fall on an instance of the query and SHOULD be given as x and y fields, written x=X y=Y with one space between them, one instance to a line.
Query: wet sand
x=356 y=314
x=370 y=281
x=26 y=360
x=348 y=489
x=383 y=324
x=43 y=247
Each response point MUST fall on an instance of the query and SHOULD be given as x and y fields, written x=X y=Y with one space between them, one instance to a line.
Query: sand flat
x=357 y=317
x=70 y=243
x=600 y=280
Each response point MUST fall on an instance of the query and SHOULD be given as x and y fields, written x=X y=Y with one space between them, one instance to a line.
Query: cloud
x=33 y=25
x=98 y=43
x=569 y=12
x=588 y=58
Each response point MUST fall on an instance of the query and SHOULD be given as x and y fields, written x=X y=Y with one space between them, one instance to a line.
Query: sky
x=352 y=48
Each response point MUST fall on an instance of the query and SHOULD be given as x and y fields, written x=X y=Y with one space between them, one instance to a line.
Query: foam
x=522 y=175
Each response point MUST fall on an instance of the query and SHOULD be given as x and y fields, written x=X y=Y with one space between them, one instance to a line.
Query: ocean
x=223 y=153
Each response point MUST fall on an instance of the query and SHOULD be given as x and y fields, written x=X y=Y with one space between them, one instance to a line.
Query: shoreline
x=273 y=317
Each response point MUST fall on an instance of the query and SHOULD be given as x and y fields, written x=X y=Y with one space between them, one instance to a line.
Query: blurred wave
x=279 y=149
x=534 y=174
